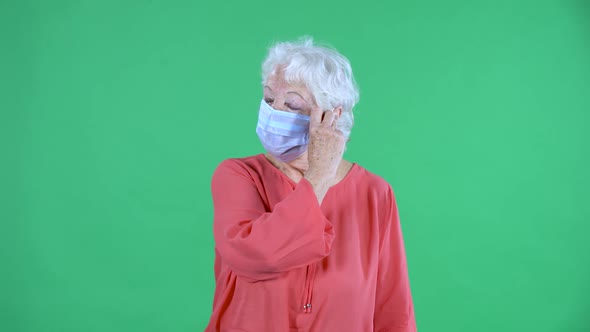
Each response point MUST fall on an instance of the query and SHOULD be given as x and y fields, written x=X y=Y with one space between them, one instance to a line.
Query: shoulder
x=381 y=195
x=246 y=168
x=371 y=182
x=376 y=189
x=241 y=164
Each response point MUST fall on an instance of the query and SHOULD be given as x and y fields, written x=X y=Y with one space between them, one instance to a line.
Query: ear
x=338 y=111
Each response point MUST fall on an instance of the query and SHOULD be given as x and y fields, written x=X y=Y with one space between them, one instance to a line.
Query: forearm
x=259 y=244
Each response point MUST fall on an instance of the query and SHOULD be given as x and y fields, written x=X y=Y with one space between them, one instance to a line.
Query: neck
x=294 y=167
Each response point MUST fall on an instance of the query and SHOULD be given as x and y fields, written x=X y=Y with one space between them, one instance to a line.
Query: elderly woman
x=305 y=240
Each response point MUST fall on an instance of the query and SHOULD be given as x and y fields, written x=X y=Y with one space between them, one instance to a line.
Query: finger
x=328 y=118
x=316 y=116
x=336 y=118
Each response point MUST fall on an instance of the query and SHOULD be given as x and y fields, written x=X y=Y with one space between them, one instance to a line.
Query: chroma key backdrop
x=114 y=114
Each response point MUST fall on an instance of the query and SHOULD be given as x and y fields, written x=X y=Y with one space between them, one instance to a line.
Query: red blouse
x=285 y=263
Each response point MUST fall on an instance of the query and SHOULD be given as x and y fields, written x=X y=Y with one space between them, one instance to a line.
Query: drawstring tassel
x=310 y=276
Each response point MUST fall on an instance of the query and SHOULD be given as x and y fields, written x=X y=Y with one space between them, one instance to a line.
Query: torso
x=343 y=284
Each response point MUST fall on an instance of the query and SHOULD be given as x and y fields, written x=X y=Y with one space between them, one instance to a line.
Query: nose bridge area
x=279 y=101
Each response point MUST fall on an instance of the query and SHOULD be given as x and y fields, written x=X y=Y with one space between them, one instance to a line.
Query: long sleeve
x=260 y=244
x=394 y=308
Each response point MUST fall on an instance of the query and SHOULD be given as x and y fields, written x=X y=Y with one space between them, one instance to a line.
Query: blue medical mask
x=285 y=135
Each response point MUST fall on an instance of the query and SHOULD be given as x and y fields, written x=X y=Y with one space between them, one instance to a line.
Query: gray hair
x=325 y=72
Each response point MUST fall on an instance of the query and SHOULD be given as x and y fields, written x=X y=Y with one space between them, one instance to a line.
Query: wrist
x=320 y=187
x=317 y=181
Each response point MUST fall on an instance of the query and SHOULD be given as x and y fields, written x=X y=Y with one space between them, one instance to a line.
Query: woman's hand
x=325 y=150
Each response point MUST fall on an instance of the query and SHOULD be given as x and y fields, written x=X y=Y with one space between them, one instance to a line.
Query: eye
x=268 y=100
x=293 y=107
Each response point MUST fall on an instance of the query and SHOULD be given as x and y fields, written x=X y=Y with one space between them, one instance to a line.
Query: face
x=283 y=96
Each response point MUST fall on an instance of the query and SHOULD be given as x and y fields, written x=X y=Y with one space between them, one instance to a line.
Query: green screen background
x=114 y=115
